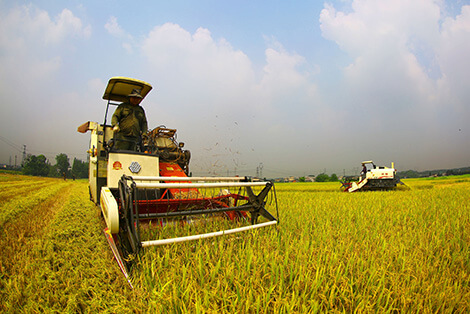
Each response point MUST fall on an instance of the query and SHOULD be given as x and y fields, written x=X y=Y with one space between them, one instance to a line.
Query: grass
x=400 y=251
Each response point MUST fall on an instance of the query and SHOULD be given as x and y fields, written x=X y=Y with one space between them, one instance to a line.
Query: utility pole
x=259 y=170
x=24 y=155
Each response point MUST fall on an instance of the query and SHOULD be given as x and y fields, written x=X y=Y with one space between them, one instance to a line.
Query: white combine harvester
x=151 y=187
x=372 y=178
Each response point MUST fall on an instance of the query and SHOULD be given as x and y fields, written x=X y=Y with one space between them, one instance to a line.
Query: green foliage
x=62 y=163
x=79 y=168
x=9 y=171
x=408 y=174
x=322 y=177
x=36 y=166
x=53 y=172
x=334 y=177
x=40 y=166
x=302 y=179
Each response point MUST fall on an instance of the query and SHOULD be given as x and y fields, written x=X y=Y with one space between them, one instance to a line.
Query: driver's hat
x=135 y=93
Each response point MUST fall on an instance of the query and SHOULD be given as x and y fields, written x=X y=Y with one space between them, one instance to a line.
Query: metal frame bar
x=194 y=212
x=206 y=235
x=158 y=185
x=147 y=178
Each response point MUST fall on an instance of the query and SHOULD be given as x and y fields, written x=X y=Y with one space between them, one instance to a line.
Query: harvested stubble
x=54 y=257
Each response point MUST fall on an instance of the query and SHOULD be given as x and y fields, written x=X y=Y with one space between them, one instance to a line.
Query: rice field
x=399 y=251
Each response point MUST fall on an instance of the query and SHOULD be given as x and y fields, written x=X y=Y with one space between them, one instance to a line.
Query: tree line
x=433 y=173
x=40 y=166
x=322 y=177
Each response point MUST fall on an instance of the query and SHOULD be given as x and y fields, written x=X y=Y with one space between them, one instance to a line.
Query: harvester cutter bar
x=117 y=256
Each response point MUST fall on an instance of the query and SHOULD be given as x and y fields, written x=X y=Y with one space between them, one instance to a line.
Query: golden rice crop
x=405 y=250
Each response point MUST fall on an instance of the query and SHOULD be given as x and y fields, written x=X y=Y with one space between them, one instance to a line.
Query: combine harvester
x=372 y=179
x=151 y=187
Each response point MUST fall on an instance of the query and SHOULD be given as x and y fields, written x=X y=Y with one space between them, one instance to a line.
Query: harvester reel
x=258 y=202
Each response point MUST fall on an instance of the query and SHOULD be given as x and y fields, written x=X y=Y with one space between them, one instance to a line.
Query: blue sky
x=300 y=87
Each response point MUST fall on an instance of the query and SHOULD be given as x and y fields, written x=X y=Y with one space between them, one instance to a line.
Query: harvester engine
x=162 y=141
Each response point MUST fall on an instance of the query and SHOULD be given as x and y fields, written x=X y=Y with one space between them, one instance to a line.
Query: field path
x=54 y=255
x=20 y=235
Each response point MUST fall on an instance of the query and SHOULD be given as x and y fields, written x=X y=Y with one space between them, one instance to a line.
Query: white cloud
x=452 y=54
x=65 y=25
x=381 y=22
x=383 y=38
x=282 y=76
x=31 y=42
x=213 y=88
x=34 y=49
x=196 y=66
x=213 y=71
x=28 y=24
x=113 y=27
x=116 y=30
x=408 y=75
x=96 y=85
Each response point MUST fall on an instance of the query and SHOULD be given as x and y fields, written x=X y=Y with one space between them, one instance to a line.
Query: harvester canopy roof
x=120 y=87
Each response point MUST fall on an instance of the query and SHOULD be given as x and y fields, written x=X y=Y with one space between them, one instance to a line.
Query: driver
x=129 y=122
x=364 y=169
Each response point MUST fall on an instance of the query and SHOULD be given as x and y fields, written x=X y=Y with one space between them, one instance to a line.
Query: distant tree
x=62 y=163
x=409 y=174
x=53 y=172
x=301 y=179
x=322 y=177
x=36 y=166
x=334 y=177
x=79 y=168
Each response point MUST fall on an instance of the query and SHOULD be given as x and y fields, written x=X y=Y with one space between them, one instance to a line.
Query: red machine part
x=184 y=198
